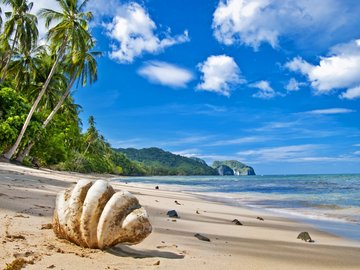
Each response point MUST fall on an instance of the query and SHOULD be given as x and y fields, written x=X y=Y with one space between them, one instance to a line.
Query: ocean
x=329 y=202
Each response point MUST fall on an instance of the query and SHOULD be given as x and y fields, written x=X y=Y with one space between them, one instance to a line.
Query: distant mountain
x=156 y=161
x=237 y=167
x=199 y=160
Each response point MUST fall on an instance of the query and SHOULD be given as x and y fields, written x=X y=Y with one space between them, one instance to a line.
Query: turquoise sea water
x=331 y=202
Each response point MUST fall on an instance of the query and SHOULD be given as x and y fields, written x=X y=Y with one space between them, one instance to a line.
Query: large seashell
x=93 y=215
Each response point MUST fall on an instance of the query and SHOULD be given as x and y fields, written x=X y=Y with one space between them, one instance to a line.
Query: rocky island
x=232 y=167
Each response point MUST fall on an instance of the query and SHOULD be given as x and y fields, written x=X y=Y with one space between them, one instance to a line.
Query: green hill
x=156 y=161
x=238 y=167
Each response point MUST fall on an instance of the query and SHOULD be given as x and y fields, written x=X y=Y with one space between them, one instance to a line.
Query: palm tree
x=24 y=69
x=85 y=70
x=71 y=32
x=22 y=25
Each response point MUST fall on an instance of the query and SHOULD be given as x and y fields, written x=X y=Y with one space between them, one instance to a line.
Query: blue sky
x=274 y=84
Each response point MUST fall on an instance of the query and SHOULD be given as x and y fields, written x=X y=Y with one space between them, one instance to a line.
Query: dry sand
x=27 y=198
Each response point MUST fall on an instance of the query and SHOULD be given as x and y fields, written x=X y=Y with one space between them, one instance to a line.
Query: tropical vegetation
x=39 y=120
x=156 y=161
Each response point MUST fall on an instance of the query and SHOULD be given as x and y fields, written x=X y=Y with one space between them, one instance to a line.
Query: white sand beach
x=27 y=200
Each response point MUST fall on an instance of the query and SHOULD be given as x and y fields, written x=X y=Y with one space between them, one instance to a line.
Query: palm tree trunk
x=11 y=152
x=26 y=151
x=61 y=101
x=9 y=57
x=87 y=148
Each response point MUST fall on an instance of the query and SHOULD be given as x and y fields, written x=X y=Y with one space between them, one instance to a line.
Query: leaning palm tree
x=22 y=26
x=71 y=32
x=84 y=69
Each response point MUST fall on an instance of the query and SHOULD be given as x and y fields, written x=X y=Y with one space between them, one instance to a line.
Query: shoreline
x=333 y=225
x=27 y=198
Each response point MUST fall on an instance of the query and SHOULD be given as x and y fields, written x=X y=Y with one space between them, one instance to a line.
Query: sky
x=273 y=84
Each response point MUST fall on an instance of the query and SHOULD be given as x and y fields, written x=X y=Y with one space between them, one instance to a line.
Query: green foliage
x=159 y=162
x=13 y=112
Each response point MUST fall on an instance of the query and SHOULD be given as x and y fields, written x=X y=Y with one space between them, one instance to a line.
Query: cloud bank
x=133 y=33
x=339 y=70
x=253 y=22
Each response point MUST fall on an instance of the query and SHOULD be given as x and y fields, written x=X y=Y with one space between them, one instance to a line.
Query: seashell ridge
x=93 y=215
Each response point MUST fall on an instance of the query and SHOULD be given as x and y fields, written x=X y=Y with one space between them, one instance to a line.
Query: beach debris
x=47 y=226
x=16 y=264
x=201 y=237
x=177 y=202
x=260 y=218
x=157 y=187
x=15 y=237
x=172 y=214
x=236 y=222
x=93 y=215
x=197 y=212
x=20 y=215
x=157 y=263
x=305 y=236
x=51 y=266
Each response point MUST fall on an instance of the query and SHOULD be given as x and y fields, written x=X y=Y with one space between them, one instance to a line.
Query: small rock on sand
x=305 y=236
x=260 y=218
x=172 y=214
x=157 y=263
x=157 y=187
x=236 y=222
x=177 y=202
x=201 y=237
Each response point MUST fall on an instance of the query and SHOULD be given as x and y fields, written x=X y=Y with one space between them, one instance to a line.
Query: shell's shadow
x=125 y=251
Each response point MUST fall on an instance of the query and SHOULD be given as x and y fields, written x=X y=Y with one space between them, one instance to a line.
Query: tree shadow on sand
x=125 y=251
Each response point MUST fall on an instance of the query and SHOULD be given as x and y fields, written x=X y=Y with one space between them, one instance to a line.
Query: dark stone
x=172 y=214
x=305 y=236
x=201 y=237
x=260 y=218
x=236 y=222
x=157 y=187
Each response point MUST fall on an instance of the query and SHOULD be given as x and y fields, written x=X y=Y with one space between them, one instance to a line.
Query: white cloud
x=133 y=33
x=280 y=153
x=242 y=140
x=265 y=90
x=351 y=93
x=357 y=153
x=294 y=85
x=339 y=70
x=220 y=74
x=165 y=74
x=192 y=152
x=330 y=111
x=253 y=22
